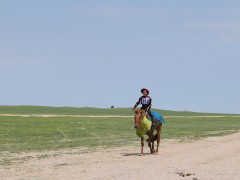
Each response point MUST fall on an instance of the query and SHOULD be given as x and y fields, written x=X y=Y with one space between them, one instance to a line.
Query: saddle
x=156 y=117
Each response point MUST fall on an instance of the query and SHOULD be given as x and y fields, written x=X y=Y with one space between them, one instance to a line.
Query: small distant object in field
x=112 y=107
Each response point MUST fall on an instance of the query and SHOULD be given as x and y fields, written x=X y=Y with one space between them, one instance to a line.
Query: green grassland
x=23 y=134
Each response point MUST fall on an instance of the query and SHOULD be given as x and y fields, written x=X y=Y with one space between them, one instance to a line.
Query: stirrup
x=154 y=124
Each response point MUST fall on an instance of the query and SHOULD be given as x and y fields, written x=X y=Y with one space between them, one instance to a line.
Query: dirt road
x=215 y=158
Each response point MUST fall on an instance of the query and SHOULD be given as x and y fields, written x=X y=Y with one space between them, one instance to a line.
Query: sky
x=101 y=53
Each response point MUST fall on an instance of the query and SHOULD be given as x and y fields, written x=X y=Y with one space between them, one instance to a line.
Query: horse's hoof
x=141 y=154
x=152 y=151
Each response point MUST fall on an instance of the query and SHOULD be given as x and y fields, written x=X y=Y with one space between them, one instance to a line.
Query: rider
x=146 y=102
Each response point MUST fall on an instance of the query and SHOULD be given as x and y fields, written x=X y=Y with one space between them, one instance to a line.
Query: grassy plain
x=23 y=134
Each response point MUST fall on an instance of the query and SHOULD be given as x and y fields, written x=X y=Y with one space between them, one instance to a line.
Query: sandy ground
x=215 y=158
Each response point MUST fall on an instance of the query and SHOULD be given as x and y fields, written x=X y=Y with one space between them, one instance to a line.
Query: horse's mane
x=140 y=111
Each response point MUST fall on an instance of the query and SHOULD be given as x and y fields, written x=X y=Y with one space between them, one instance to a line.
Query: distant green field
x=23 y=134
x=20 y=134
x=89 y=111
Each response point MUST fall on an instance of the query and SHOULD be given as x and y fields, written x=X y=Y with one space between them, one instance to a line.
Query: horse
x=143 y=127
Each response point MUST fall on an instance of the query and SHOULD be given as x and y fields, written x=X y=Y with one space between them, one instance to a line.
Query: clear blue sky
x=101 y=53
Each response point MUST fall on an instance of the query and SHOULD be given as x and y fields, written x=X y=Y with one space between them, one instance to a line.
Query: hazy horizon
x=130 y=108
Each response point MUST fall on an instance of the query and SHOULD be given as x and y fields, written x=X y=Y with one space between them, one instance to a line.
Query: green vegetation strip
x=90 y=111
x=23 y=134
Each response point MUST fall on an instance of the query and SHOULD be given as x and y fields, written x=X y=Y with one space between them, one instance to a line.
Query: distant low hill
x=91 y=111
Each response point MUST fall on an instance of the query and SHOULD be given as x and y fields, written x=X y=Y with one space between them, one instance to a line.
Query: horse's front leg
x=142 y=145
x=153 y=144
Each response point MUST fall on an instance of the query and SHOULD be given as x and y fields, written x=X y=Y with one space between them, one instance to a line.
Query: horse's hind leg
x=159 y=128
x=153 y=141
x=150 y=146
x=150 y=141
x=153 y=145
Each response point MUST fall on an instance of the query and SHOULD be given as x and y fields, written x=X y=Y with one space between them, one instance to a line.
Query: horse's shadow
x=134 y=154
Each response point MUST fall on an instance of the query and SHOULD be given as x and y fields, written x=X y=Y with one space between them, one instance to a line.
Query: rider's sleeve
x=137 y=103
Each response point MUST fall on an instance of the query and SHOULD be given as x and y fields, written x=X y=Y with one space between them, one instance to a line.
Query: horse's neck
x=145 y=122
x=144 y=128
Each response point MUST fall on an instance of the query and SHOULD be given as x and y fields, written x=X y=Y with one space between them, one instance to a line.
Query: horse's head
x=139 y=114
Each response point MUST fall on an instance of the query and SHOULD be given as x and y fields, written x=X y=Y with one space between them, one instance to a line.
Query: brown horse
x=143 y=127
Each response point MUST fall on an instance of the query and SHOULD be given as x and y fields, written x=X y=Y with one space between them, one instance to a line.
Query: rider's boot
x=154 y=122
